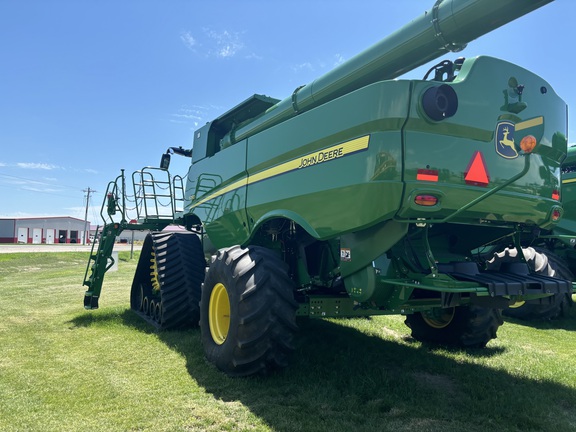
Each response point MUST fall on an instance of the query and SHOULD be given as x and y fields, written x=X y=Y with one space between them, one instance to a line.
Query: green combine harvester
x=360 y=194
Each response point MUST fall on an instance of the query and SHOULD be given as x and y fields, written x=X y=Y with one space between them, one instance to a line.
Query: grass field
x=66 y=369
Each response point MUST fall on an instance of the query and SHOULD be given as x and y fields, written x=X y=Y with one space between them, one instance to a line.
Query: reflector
x=476 y=173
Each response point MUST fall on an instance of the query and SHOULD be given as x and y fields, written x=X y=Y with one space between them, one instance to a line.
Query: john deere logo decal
x=504 y=140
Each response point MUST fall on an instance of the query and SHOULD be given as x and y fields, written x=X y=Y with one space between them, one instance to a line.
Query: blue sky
x=90 y=87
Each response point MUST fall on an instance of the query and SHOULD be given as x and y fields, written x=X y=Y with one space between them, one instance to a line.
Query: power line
x=38 y=181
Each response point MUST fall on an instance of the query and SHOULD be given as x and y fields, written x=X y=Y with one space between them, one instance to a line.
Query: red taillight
x=426 y=200
x=556 y=195
x=556 y=215
x=427 y=175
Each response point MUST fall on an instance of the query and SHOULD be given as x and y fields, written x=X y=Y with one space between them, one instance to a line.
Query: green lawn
x=66 y=369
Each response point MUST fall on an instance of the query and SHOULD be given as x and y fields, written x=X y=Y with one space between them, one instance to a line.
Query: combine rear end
x=360 y=195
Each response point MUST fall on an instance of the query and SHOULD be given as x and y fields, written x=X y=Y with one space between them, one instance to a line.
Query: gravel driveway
x=15 y=248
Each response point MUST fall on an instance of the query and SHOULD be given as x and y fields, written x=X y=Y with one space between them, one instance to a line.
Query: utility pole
x=86 y=226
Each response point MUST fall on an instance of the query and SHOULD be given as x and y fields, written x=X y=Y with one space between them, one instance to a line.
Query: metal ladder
x=98 y=264
x=155 y=201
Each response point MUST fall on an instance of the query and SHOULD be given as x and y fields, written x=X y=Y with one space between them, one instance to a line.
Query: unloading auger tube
x=447 y=27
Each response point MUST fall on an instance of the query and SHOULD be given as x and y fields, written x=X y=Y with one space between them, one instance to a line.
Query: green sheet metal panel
x=447 y=148
x=338 y=167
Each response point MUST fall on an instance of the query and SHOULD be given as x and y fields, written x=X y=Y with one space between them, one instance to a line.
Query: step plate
x=504 y=284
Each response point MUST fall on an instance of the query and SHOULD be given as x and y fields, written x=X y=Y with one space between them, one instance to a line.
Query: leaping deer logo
x=504 y=140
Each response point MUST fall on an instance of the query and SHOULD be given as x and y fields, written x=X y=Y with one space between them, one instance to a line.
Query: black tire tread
x=181 y=267
x=472 y=327
x=263 y=319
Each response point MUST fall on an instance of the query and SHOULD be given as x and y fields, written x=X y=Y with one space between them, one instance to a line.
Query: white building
x=48 y=230
x=126 y=236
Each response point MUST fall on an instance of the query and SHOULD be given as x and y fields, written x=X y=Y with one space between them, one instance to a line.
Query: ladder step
x=90 y=302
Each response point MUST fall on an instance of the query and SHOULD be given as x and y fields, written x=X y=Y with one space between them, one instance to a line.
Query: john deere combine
x=359 y=194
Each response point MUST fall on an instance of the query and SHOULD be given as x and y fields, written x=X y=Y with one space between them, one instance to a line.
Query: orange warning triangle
x=476 y=173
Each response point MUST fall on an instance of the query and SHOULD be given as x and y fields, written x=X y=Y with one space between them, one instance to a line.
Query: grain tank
x=359 y=194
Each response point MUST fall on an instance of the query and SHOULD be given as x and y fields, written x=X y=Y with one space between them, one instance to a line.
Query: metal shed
x=48 y=230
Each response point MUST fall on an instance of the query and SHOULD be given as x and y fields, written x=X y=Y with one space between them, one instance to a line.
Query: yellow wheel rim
x=219 y=313
x=517 y=304
x=439 y=318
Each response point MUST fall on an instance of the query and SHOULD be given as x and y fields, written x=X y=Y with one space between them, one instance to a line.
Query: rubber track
x=181 y=267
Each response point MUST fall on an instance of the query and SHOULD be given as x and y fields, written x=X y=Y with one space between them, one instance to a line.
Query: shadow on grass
x=341 y=379
x=567 y=322
x=111 y=316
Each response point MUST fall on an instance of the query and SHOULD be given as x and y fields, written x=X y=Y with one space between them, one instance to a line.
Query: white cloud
x=40 y=189
x=338 y=59
x=20 y=214
x=188 y=40
x=33 y=165
x=227 y=43
x=45 y=185
x=318 y=65
x=195 y=115
x=188 y=114
x=212 y=43
x=303 y=66
x=253 y=56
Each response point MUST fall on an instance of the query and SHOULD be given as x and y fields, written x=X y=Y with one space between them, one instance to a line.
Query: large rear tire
x=463 y=326
x=247 y=312
x=168 y=280
x=545 y=263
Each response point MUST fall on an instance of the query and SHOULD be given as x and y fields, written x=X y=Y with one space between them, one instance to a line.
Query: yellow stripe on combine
x=569 y=181
x=536 y=121
x=311 y=159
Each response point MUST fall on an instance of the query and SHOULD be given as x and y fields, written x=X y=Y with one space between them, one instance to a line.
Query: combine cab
x=360 y=194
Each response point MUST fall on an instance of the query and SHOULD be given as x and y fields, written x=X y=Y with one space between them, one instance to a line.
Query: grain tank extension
x=359 y=194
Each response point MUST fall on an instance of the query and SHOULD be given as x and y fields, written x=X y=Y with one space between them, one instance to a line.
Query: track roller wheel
x=158 y=312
